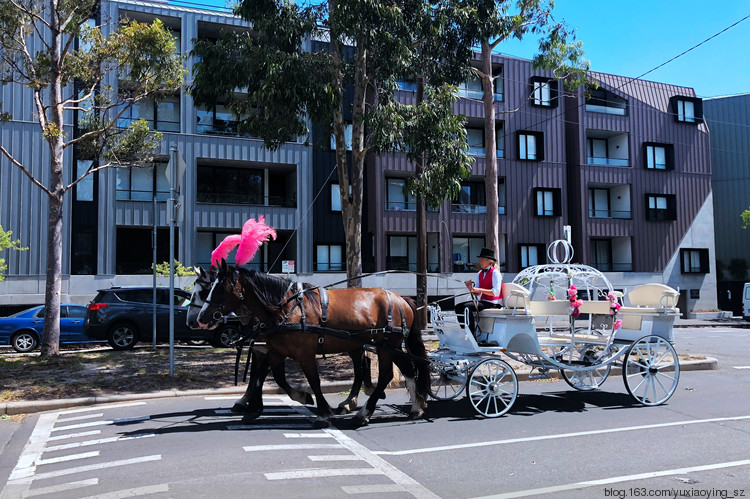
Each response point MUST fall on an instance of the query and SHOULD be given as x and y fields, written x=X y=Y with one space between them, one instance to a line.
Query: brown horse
x=353 y=317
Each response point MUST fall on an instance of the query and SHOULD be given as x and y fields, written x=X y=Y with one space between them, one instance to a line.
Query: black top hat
x=488 y=254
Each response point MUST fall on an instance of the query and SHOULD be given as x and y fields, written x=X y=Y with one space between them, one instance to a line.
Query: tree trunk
x=490 y=151
x=421 y=229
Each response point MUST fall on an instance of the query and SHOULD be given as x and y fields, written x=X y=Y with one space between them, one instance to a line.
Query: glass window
x=395 y=197
x=601 y=254
x=501 y=196
x=475 y=140
x=465 y=251
x=656 y=157
x=545 y=203
x=168 y=114
x=329 y=257
x=335 y=197
x=527 y=146
x=500 y=139
x=531 y=254
x=84 y=188
x=348 y=130
x=542 y=93
x=694 y=261
x=685 y=111
x=471 y=198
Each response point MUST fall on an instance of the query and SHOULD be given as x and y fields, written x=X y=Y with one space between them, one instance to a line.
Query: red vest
x=485 y=282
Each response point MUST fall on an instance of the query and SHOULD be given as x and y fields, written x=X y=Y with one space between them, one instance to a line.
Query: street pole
x=171 y=215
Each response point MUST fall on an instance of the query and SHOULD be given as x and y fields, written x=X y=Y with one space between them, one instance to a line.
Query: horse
x=298 y=325
x=251 y=403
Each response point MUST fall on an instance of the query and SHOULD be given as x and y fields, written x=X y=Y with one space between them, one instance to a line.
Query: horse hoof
x=342 y=409
x=416 y=415
x=360 y=421
x=321 y=423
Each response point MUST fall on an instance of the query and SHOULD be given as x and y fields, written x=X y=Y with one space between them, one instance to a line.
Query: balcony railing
x=468 y=208
x=596 y=160
x=136 y=195
x=613 y=267
x=400 y=206
x=481 y=152
x=604 y=213
x=478 y=94
x=246 y=199
x=329 y=266
x=402 y=263
x=597 y=108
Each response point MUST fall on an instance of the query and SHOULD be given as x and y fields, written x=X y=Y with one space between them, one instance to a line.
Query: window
x=475 y=140
x=465 y=251
x=402 y=253
x=335 y=197
x=396 y=199
x=218 y=120
x=547 y=202
x=543 y=92
x=130 y=257
x=599 y=203
x=658 y=156
x=687 y=109
x=660 y=207
x=501 y=202
x=348 y=130
x=140 y=184
x=602 y=101
x=219 y=185
x=530 y=146
x=471 y=198
x=605 y=148
x=531 y=254
x=84 y=188
x=694 y=261
x=601 y=254
x=500 y=138
x=329 y=258
x=163 y=115
x=471 y=88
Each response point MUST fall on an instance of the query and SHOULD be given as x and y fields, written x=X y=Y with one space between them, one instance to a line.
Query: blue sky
x=631 y=37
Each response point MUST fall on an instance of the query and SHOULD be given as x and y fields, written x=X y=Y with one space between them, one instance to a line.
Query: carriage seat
x=516 y=300
x=652 y=298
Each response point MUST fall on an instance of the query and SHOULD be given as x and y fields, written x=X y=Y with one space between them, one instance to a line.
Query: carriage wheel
x=590 y=379
x=651 y=370
x=446 y=380
x=492 y=388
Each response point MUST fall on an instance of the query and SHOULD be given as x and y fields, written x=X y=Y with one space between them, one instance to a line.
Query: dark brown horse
x=251 y=403
x=354 y=317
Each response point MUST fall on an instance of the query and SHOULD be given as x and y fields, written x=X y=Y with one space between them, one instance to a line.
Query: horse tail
x=415 y=346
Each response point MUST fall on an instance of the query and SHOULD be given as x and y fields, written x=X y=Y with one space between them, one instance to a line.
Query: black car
x=124 y=316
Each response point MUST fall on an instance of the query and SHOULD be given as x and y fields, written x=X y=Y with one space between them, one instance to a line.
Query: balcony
x=595 y=160
x=607 y=148
x=604 y=213
x=246 y=199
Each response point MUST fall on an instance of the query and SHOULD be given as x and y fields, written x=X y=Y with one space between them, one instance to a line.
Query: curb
x=33 y=406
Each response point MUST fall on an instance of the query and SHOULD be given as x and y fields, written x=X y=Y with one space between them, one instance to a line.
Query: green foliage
x=162 y=269
x=745 y=217
x=6 y=242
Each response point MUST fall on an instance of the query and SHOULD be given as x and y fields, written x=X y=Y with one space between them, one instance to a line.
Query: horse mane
x=271 y=292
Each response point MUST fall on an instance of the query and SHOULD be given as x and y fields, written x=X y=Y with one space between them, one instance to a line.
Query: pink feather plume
x=253 y=235
x=223 y=249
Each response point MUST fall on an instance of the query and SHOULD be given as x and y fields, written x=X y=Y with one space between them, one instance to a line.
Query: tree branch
x=29 y=13
x=88 y=172
x=24 y=170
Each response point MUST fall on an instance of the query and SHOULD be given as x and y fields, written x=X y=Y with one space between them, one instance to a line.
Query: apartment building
x=626 y=165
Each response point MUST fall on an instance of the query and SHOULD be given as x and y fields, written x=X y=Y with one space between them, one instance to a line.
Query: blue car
x=23 y=331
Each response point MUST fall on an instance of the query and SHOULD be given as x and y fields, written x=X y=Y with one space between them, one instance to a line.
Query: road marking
x=101 y=422
x=75 y=435
x=553 y=437
x=617 y=479
x=307 y=435
x=71 y=457
x=290 y=475
x=234 y=397
x=261 y=448
x=62 y=487
x=78 y=418
x=34 y=448
x=280 y=425
x=98 y=466
x=741 y=367
x=373 y=489
x=98 y=441
x=137 y=492
x=100 y=407
x=335 y=457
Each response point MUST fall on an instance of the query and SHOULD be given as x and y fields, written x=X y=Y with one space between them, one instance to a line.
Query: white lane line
x=98 y=441
x=234 y=397
x=78 y=418
x=307 y=435
x=553 y=437
x=100 y=423
x=137 y=492
x=98 y=466
x=34 y=448
x=741 y=367
x=290 y=475
x=100 y=407
x=280 y=425
x=71 y=457
x=263 y=448
x=373 y=489
x=276 y=411
x=62 y=487
x=617 y=479
x=74 y=435
x=397 y=476
x=335 y=457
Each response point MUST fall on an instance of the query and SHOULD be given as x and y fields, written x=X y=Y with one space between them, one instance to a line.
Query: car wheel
x=226 y=336
x=122 y=336
x=24 y=341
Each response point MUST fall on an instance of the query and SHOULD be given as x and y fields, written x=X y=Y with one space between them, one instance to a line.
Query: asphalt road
x=555 y=442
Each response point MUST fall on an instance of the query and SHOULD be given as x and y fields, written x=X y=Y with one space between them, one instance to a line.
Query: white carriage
x=565 y=317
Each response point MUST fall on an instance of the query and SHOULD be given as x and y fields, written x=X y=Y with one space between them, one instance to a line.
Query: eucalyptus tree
x=491 y=22
x=368 y=46
x=61 y=57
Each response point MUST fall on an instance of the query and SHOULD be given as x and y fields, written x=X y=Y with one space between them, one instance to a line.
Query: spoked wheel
x=446 y=381
x=492 y=388
x=590 y=379
x=651 y=370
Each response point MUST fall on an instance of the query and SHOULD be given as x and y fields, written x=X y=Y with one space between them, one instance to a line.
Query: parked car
x=24 y=330
x=124 y=316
